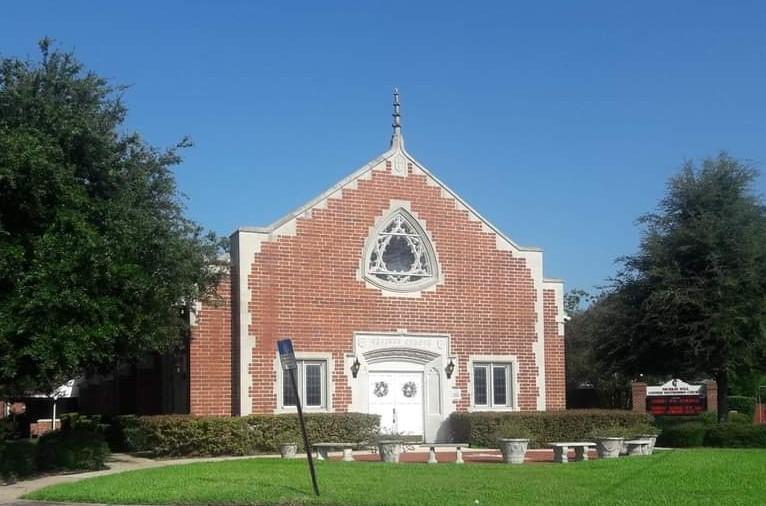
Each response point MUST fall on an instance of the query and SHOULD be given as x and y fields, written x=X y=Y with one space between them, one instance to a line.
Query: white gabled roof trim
x=397 y=146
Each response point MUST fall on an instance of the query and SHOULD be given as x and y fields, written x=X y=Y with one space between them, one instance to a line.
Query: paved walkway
x=117 y=462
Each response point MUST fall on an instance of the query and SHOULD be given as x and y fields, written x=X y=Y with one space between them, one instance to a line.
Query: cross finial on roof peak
x=397 y=117
x=397 y=124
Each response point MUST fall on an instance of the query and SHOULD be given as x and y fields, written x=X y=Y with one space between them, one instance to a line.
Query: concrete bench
x=433 y=446
x=638 y=446
x=322 y=450
x=561 y=451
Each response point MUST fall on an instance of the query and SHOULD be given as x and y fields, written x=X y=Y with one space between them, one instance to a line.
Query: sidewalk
x=117 y=462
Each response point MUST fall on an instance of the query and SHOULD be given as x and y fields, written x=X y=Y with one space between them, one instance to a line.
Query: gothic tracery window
x=400 y=256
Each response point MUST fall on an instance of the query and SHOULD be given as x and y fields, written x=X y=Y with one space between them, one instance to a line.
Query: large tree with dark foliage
x=693 y=299
x=590 y=382
x=97 y=260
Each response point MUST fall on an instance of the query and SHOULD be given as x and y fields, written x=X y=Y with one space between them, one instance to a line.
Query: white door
x=398 y=398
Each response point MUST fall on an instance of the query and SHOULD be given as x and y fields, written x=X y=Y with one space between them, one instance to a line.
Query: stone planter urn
x=514 y=449
x=609 y=447
x=389 y=450
x=623 y=448
x=653 y=440
x=288 y=450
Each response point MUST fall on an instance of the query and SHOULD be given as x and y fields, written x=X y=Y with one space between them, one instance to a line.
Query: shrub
x=181 y=435
x=175 y=436
x=110 y=426
x=512 y=429
x=736 y=435
x=127 y=433
x=609 y=432
x=641 y=429
x=320 y=427
x=8 y=428
x=72 y=450
x=683 y=435
x=86 y=423
x=479 y=429
x=740 y=418
x=742 y=404
x=17 y=459
x=708 y=419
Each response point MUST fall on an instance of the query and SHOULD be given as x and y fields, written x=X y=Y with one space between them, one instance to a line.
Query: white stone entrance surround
x=404 y=351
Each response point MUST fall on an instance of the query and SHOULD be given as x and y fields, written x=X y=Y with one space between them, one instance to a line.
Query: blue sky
x=559 y=122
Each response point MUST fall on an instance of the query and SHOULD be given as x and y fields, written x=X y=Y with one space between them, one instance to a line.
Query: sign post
x=287 y=357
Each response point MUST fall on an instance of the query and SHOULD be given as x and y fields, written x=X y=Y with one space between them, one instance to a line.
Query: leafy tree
x=97 y=260
x=693 y=300
x=585 y=327
x=574 y=300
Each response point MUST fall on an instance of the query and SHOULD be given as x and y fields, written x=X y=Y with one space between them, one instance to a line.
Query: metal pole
x=303 y=430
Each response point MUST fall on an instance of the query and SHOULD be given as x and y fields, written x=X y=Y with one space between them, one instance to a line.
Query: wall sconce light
x=355 y=367
x=450 y=368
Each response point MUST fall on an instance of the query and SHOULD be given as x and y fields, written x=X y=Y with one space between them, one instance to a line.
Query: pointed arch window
x=400 y=256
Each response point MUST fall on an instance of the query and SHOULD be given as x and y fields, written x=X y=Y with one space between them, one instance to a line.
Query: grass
x=680 y=477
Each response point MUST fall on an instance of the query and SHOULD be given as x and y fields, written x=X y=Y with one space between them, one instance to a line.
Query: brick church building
x=400 y=298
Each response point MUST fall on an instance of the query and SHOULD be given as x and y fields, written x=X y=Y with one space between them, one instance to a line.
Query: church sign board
x=676 y=397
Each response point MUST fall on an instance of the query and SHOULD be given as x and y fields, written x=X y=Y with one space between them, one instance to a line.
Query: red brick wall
x=638 y=396
x=305 y=286
x=41 y=427
x=711 y=389
x=210 y=356
x=555 y=380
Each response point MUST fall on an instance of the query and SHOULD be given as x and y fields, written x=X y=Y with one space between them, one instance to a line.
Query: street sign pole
x=305 y=435
x=289 y=364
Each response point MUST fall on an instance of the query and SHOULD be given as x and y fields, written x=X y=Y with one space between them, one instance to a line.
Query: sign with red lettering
x=676 y=405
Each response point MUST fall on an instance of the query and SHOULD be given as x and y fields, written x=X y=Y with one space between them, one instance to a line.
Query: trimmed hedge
x=59 y=450
x=176 y=436
x=704 y=431
x=742 y=404
x=71 y=450
x=8 y=429
x=480 y=429
x=182 y=435
x=665 y=422
x=110 y=427
x=736 y=435
x=17 y=459
x=688 y=434
x=740 y=418
x=321 y=427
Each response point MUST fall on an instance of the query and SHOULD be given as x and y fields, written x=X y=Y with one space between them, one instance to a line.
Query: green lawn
x=693 y=477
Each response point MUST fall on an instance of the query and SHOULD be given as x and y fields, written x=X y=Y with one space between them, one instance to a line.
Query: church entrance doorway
x=398 y=398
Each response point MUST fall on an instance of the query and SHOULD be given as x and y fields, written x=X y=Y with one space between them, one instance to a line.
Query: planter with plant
x=390 y=444
x=288 y=448
x=513 y=441
x=608 y=441
x=647 y=432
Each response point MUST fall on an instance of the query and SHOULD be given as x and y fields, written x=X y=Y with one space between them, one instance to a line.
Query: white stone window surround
x=511 y=360
x=408 y=289
x=329 y=386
